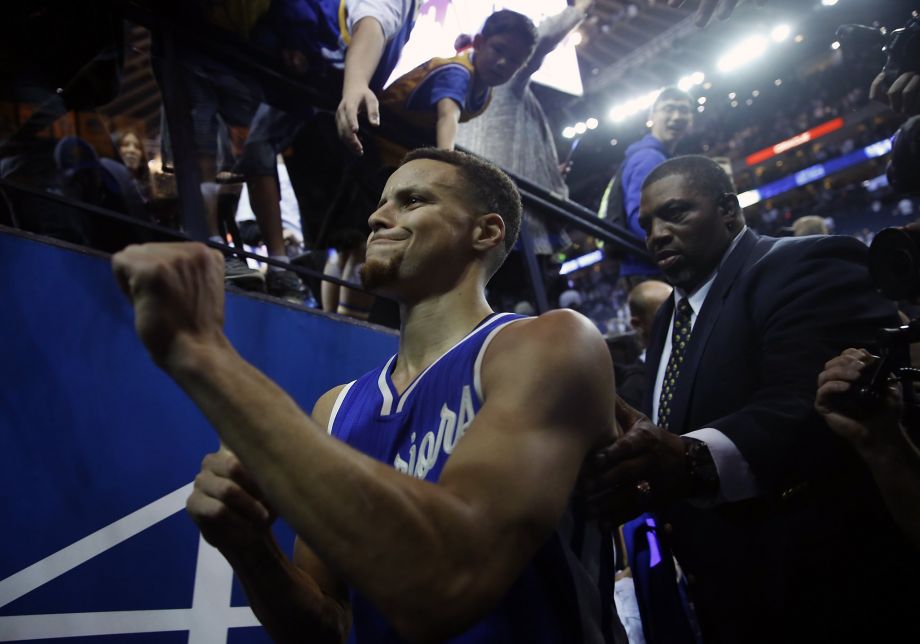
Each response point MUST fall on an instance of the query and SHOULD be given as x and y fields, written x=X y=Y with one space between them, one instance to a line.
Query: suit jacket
x=815 y=556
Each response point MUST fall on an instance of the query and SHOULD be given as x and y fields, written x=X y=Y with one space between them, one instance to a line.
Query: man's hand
x=645 y=468
x=354 y=101
x=721 y=8
x=903 y=96
x=177 y=290
x=869 y=430
x=227 y=506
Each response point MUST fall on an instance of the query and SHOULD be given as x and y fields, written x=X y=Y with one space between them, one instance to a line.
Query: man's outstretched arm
x=361 y=60
x=433 y=558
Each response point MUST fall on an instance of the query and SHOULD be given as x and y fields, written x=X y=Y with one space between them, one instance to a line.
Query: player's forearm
x=372 y=525
x=364 y=52
x=289 y=604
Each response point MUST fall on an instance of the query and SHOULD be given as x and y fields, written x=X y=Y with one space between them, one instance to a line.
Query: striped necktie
x=680 y=337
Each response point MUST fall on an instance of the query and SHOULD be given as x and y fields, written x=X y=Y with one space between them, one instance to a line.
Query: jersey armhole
x=477 y=366
x=338 y=403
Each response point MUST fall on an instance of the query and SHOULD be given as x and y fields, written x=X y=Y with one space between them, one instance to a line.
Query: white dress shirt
x=736 y=481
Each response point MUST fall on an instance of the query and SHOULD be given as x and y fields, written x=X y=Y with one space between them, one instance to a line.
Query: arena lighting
x=581 y=127
x=794 y=141
x=568 y=132
x=576 y=38
x=828 y=3
x=779 y=33
x=701 y=100
x=688 y=81
x=584 y=261
x=623 y=111
x=591 y=123
x=813 y=173
x=744 y=52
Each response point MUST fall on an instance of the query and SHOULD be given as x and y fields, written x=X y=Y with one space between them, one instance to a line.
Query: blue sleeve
x=636 y=168
x=451 y=81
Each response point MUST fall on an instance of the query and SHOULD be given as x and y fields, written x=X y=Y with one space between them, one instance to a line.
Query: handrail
x=171 y=234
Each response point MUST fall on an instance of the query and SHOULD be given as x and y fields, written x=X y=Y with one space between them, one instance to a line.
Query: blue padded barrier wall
x=98 y=449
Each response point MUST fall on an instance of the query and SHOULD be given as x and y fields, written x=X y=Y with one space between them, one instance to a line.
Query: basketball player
x=431 y=496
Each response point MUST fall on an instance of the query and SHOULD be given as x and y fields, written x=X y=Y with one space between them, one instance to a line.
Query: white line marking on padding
x=66 y=559
x=33 y=627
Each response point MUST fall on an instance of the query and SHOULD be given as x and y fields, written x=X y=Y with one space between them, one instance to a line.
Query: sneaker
x=287 y=285
x=238 y=273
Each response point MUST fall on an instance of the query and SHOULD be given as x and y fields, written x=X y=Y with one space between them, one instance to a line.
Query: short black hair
x=673 y=93
x=701 y=172
x=511 y=22
x=491 y=189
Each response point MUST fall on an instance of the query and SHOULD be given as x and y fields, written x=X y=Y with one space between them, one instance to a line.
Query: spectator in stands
x=83 y=175
x=571 y=299
x=514 y=132
x=309 y=37
x=643 y=302
x=131 y=153
x=671 y=117
x=441 y=93
x=809 y=225
x=102 y=182
x=765 y=506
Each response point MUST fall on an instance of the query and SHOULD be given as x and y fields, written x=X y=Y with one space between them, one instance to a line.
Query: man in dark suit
x=779 y=529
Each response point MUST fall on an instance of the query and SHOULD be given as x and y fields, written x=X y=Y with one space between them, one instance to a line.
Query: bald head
x=644 y=301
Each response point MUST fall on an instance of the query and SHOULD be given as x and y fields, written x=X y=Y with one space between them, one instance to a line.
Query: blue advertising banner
x=98 y=449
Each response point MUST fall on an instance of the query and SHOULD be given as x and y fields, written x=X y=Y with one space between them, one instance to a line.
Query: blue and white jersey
x=565 y=594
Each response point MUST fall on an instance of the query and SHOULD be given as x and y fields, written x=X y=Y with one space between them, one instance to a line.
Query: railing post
x=185 y=158
x=537 y=287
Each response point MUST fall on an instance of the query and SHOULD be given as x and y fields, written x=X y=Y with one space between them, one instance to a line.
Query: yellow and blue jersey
x=414 y=96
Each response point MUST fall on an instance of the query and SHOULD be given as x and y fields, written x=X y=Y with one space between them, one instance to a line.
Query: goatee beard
x=376 y=274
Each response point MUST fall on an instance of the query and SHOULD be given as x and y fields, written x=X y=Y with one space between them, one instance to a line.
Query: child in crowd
x=443 y=92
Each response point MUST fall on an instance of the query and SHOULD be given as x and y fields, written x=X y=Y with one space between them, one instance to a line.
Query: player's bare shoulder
x=560 y=336
x=322 y=409
x=559 y=359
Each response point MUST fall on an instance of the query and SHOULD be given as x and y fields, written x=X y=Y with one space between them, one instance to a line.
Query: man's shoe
x=286 y=284
x=238 y=273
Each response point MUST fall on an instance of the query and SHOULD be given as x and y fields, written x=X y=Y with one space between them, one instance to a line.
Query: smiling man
x=430 y=496
x=671 y=117
x=779 y=529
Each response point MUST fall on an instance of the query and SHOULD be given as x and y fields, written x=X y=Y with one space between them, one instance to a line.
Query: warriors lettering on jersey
x=424 y=454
